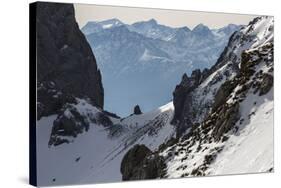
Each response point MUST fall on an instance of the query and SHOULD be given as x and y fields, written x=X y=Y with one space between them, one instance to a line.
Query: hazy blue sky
x=174 y=18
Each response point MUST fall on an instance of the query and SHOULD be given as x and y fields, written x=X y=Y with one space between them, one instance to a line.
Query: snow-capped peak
x=201 y=28
x=227 y=30
x=184 y=29
x=261 y=28
x=152 y=21
x=93 y=27
x=109 y=23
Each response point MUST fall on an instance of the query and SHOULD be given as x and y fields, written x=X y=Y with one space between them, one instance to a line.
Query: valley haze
x=142 y=62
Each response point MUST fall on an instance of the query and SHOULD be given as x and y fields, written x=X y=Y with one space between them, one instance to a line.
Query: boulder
x=140 y=163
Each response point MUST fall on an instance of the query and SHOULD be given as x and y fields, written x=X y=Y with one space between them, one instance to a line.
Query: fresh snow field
x=99 y=155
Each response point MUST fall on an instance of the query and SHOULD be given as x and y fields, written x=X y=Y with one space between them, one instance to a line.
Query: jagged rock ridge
x=239 y=111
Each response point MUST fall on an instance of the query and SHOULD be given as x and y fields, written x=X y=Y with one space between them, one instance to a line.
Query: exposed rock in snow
x=236 y=136
x=140 y=163
x=137 y=110
x=183 y=101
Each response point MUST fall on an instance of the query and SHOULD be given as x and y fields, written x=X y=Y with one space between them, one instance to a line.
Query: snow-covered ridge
x=83 y=157
x=258 y=32
x=249 y=38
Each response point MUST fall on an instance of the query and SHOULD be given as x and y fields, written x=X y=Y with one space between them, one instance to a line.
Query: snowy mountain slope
x=82 y=158
x=205 y=93
x=154 y=131
x=68 y=162
x=153 y=51
x=227 y=66
x=242 y=147
x=235 y=134
x=247 y=148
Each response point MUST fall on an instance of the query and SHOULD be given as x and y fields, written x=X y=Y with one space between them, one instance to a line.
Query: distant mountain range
x=141 y=63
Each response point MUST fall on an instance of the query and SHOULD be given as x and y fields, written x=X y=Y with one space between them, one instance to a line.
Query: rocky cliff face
x=66 y=66
x=183 y=100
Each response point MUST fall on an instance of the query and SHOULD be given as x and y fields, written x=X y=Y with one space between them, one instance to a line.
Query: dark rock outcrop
x=179 y=97
x=66 y=66
x=205 y=74
x=182 y=100
x=223 y=93
x=227 y=116
x=266 y=84
x=170 y=142
x=71 y=122
x=102 y=119
x=110 y=114
x=140 y=163
x=137 y=110
x=261 y=82
x=50 y=99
